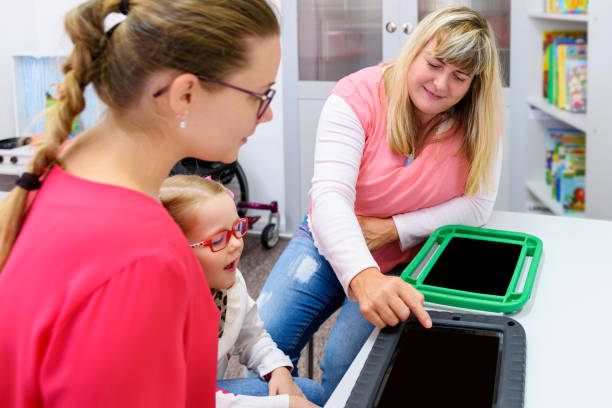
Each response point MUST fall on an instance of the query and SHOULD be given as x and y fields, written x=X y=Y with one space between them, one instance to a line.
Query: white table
x=568 y=320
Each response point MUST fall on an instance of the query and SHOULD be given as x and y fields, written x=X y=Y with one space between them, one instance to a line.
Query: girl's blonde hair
x=206 y=37
x=464 y=38
x=182 y=195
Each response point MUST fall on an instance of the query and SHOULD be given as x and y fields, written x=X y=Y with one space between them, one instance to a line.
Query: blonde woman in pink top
x=402 y=148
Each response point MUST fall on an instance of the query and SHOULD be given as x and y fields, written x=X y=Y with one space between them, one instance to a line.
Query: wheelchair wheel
x=269 y=236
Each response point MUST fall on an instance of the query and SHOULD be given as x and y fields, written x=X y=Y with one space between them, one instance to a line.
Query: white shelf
x=580 y=18
x=576 y=120
x=543 y=193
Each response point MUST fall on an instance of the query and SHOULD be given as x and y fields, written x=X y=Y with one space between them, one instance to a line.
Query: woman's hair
x=206 y=37
x=182 y=194
x=465 y=39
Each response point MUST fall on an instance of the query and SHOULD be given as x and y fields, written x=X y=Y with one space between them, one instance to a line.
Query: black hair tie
x=124 y=7
x=29 y=181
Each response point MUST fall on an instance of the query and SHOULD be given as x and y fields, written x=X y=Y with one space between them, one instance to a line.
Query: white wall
x=37 y=26
x=262 y=158
x=17 y=35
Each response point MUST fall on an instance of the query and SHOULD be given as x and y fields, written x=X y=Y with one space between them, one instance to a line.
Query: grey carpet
x=255 y=264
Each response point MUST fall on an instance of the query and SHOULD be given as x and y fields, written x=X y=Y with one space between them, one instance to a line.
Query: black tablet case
x=510 y=383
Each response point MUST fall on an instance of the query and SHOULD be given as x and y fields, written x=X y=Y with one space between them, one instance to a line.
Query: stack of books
x=565 y=69
x=565 y=167
x=566 y=6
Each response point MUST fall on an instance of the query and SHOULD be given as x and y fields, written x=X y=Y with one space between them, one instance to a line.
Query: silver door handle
x=407 y=28
x=390 y=27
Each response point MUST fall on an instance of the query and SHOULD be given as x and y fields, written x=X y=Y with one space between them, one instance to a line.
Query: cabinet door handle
x=407 y=28
x=390 y=27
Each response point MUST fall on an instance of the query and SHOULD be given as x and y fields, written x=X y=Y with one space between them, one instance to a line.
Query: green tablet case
x=527 y=246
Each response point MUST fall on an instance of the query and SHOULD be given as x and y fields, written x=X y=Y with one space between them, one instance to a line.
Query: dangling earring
x=183 y=122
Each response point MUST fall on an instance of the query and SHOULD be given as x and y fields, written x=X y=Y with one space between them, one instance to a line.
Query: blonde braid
x=78 y=72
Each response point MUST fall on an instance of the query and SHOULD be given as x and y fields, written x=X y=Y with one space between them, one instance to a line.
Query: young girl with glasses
x=206 y=213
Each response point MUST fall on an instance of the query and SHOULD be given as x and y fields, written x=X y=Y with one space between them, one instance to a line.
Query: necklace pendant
x=409 y=159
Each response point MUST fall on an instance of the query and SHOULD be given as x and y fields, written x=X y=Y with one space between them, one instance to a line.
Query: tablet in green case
x=476 y=268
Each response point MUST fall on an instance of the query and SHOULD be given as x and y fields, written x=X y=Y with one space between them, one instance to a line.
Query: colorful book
x=574 y=6
x=576 y=78
x=567 y=6
x=558 y=144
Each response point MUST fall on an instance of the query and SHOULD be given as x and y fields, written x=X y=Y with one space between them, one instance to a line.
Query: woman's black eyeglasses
x=264 y=99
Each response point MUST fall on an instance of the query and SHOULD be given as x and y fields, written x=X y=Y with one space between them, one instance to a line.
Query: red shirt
x=102 y=303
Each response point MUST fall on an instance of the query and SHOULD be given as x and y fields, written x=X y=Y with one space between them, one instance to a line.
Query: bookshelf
x=528 y=130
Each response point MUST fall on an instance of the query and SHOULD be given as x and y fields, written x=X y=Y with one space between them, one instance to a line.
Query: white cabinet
x=528 y=125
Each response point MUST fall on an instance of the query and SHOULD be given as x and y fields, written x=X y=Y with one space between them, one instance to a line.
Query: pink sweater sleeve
x=124 y=346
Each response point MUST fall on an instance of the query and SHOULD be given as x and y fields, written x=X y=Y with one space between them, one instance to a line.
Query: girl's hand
x=281 y=382
x=377 y=231
x=387 y=300
x=299 y=402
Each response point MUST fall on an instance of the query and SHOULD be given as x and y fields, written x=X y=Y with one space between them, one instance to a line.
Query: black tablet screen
x=475 y=265
x=442 y=367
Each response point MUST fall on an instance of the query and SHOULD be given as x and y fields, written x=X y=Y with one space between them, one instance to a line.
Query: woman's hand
x=281 y=382
x=377 y=231
x=387 y=300
x=299 y=402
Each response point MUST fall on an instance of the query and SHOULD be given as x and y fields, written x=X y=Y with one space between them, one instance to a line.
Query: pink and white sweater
x=356 y=173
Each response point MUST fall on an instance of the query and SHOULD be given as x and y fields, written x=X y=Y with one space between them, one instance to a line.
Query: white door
x=335 y=38
x=324 y=40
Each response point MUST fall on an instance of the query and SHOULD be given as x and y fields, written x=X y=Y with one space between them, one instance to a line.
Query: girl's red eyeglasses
x=220 y=240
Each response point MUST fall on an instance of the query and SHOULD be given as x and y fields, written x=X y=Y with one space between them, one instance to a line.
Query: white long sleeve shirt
x=245 y=336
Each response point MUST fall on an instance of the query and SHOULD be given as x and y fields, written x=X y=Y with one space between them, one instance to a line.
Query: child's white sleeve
x=225 y=399
x=254 y=346
x=417 y=226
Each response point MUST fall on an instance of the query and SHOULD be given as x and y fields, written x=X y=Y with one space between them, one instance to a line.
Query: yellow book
x=561 y=82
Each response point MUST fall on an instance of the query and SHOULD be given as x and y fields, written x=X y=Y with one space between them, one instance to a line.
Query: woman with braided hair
x=102 y=301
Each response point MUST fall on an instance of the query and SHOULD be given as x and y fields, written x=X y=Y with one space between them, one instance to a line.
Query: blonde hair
x=464 y=39
x=181 y=195
x=207 y=37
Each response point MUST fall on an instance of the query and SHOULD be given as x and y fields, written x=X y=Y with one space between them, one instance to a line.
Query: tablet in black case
x=464 y=360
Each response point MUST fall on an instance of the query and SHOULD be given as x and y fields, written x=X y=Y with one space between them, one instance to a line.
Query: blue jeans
x=259 y=388
x=301 y=292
